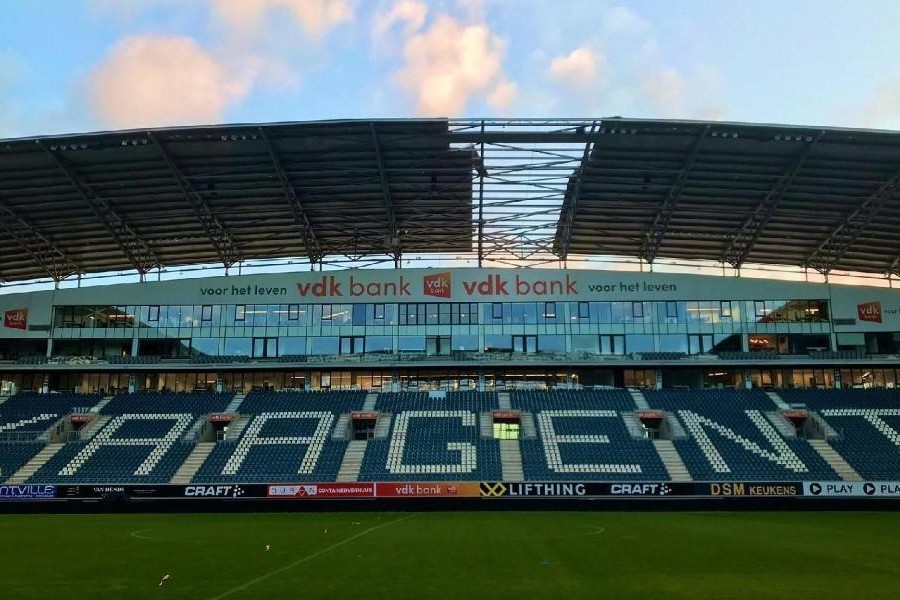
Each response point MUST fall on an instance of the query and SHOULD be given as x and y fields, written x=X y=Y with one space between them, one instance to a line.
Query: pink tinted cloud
x=316 y=17
x=148 y=81
x=449 y=63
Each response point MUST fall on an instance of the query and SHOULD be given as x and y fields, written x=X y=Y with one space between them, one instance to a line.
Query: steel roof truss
x=745 y=239
x=218 y=234
x=133 y=246
x=657 y=230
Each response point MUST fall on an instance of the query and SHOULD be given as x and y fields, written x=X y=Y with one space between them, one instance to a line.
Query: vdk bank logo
x=16 y=318
x=438 y=284
x=870 y=311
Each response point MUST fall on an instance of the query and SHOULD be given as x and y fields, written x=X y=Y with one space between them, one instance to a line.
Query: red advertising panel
x=222 y=417
x=506 y=414
x=427 y=489
x=360 y=415
x=870 y=311
x=16 y=318
x=650 y=414
x=794 y=414
x=82 y=418
x=321 y=491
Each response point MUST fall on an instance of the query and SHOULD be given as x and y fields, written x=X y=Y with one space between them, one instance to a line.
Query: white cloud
x=664 y=90
x=578 y=69
x=450 y=63
x=884 y=110
x=316 y=17
x=410 y=13
x=502 y=97
x=148 y=81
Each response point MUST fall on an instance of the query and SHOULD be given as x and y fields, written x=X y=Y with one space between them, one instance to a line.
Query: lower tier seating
x=432 y=445
x=14 y=455
x=278 y=447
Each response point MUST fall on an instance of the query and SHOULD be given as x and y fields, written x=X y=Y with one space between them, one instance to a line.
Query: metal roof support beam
x=301 y=218
x=215 y=230
x=568 y=218
x=481 y=173
x=133 y=246
x=45 y=254
x=655 y=234
x=894 y=269
x=832 y=250
x=392 y=237
x=745 y=239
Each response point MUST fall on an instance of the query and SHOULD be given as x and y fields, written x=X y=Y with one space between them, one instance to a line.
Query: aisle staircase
x=352 y=461
x=192 y=463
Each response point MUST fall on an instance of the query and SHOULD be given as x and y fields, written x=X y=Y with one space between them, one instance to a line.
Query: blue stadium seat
x=867 y=423
x=433 y=439
x=288 y=439
x=14 y=455
x=731 y=439
x=613 y=455
x=29 y=414
x=141 y=443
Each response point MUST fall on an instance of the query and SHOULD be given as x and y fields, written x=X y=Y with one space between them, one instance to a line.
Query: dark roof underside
x=736 y=193
x=142 y=199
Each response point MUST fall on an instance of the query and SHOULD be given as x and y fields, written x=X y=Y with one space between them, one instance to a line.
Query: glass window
x=637 y=310
x=205 y=346
x=293 y=312
x=550 y=311
x=584 y=311
x=639 y=343
x=378 y=310
x=497 y=310
x=411 y=343
x=206 y=313
x=324 y=345
x=359 y=314
x=466 y=343
x=612 y=344
x=291 y=345
x=237 y=346
x=153 y=314
x=497 y=343
x=552 y=343
x=725 y=309
x=240 y=312
x=671 y=310
x=383 y=344
x=673 y=343
x=586 y=343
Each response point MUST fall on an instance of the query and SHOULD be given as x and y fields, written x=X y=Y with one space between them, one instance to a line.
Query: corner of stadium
x=603 y=314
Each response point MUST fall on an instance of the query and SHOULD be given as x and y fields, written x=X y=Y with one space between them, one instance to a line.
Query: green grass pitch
x=452 y=555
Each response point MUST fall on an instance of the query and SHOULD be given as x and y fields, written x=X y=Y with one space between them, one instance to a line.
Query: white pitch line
x=306 y=558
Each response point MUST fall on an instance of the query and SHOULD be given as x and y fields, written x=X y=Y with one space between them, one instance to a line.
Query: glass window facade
x=600 y=328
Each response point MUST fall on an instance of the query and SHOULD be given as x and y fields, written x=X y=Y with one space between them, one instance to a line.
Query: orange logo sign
x=870 y=311
x=16 y=318
x=438 y=284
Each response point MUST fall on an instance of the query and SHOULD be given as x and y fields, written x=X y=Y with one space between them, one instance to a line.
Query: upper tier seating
x=612 y=399
x=433 y=439
x=476 y=401
x=582 y=437
x=731 y=439
x=287 y=440
x=867 y=423
x=198 y=403
x=29 y=414
x=142 y=442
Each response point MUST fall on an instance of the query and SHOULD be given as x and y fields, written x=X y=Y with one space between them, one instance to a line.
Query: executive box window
x=265 y=347
x=379 y=344
x=497 y=343
x=153 y=314
x=378 y=312
x=637 y=310
x=240 y=312
x=612 y=344
x=584 y=311
x=552 y=343
x=353 y=344
x=725 y=309
x=206 y=313
x=293 y=312
x=411 y=343
x=526 y=344
x=497 y=311
x=589 y=344
x=465 y=343
x=324 y=345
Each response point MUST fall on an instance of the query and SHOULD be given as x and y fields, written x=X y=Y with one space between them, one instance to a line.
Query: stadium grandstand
x=529 y=306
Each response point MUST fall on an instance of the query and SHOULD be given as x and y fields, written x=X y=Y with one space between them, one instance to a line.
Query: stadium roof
x=820 y=198
x=517 y=191
x=145 y=199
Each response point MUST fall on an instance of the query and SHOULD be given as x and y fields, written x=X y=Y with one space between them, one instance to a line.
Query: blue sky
x=74 y=65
